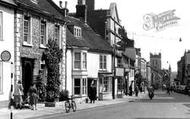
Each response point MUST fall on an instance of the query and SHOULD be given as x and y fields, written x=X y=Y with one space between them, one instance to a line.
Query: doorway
x=27 y=74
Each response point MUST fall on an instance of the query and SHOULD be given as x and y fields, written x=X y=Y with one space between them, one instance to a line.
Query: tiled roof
x=9 y=2
x=89 y=38
x=96 y=19
x=47 y=7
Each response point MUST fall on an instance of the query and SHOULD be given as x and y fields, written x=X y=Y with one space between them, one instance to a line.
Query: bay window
x=80 y=86
x=80 y=60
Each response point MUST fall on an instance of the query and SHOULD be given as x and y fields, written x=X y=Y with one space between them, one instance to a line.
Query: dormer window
x=34 y=1
x=77 y=31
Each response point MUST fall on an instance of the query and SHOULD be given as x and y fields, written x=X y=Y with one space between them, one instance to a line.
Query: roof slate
x=89 y=38
x=47 y=7
x=9 y=2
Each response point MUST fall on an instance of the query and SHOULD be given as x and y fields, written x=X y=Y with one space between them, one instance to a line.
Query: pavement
x=59 y=108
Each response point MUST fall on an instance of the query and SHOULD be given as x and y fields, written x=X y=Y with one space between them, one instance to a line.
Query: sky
x=166 y=41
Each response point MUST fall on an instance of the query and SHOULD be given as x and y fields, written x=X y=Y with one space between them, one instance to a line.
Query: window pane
x=43 y=33
x=77 y=86
x=27 y=29
x=57 y=34
x=84 y=88
x=77 y=61
x=105 y=62
x=101 y=65
x=84 y=61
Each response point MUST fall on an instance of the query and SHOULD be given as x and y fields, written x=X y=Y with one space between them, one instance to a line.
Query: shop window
x=106 y=84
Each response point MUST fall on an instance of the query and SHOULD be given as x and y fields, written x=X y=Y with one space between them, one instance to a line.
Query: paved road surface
x=163 y=106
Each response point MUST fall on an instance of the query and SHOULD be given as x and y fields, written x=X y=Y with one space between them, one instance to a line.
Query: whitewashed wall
x=7 y=44
x=93 y=64
x=69 y=71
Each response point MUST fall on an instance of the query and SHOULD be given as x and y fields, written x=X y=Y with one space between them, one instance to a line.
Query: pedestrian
x=136 y=90
x=92 y=94
x=168 y=90
x=18 y=95
x=33 y=97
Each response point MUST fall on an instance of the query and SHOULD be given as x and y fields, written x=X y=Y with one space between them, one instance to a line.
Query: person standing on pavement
x=92 y=95
x=136 y=90
x=18 y=95
x=33 y=97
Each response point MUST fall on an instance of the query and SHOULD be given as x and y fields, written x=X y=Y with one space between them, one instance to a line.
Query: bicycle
x=70 y=103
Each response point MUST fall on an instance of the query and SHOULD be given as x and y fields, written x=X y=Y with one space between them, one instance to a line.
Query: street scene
x=99 y=59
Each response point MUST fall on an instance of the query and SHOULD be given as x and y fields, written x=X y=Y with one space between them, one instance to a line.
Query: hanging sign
x=5 y=56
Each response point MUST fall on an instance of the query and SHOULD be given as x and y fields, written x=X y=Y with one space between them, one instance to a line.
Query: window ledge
x=43 y=46
x=26 y=44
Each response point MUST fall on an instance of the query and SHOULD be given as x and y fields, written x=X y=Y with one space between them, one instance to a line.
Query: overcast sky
x=166 y=41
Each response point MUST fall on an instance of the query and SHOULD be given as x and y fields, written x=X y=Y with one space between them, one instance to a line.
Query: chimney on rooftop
x=90 y=4
x=65 y=11
x=81 y=10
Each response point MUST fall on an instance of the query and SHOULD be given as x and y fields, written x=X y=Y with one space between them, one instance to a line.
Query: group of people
x=31 y=97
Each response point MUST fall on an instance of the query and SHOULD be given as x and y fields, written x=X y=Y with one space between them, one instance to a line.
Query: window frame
x=43 y=45
x=29 y=33
x=77 y=60
x=77 y=31
x=102 y=62
x=57 y=34
x=82 y=62
x=82 y=87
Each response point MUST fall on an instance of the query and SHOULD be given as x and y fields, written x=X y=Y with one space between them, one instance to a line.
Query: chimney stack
x=90 y=4
x=81 y=10
x=64 y=10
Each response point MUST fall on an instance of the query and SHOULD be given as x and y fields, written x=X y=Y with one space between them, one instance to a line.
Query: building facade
x=155 y=63
x=36 y=22
x=7 y=11
x=88 y=57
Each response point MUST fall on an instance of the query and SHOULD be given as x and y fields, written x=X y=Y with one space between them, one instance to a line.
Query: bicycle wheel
x=74 y=106
x=67 y=106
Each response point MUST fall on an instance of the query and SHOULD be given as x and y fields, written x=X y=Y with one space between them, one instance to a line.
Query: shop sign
x=119 y=71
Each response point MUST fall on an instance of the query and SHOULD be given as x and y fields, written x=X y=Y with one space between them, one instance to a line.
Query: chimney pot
x=60 y=4
x=65 y=4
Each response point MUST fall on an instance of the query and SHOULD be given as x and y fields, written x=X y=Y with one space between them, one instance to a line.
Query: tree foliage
x=52 y=56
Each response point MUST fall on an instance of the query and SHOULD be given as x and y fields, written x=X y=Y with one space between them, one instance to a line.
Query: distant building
x=155 y=60
x=155 y=64
x=183 y=75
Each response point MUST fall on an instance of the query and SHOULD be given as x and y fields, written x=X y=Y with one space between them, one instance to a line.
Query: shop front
x=105 y=85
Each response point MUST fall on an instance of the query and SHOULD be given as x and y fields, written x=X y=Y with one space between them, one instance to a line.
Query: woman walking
x=18 y=94
x=33 y=97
